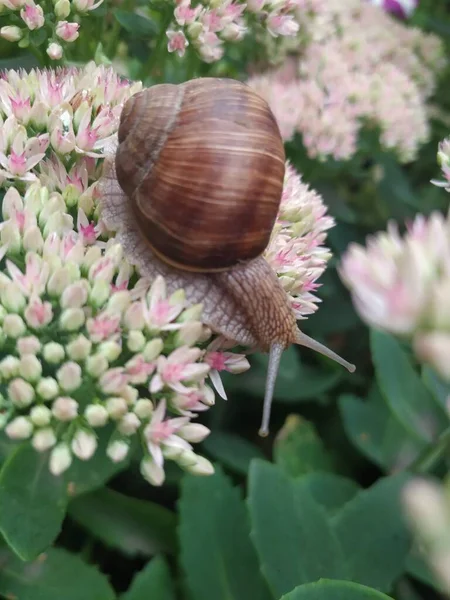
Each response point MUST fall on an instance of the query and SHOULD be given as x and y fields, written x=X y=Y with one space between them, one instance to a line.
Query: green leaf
x=32 y=502
x=291 y=532
x=439 y=388
x=329 y=490
x=298 y=449
x=373 y=534
x=152 y=583
x=417 y=567
x=334 y=590
x=138 y=25
x=231 y=450
x=216 y=553
x=404 y=392
x=86 y=476
x=135 y=527
x=55 y=575
x=377 y=433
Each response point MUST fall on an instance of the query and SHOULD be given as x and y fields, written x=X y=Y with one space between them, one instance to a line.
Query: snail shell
x=203 y=165
x=192 y=189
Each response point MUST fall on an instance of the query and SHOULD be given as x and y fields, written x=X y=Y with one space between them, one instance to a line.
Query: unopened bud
x=84 y=444
x=19 y=428
x=44 y=439
x=11 y=33
x=41 y=415
x=60 y=459
x=117 y=450
x=96 y=415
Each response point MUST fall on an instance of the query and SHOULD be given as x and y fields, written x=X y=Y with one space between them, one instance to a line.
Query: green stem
x=160 y=44
x=430 y=457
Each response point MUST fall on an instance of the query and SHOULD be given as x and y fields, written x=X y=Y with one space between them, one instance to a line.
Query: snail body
x=193 y=189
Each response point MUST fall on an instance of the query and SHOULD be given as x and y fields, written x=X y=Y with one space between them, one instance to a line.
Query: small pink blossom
x=38 y=313
x=281 y=25
x=67 y=31
x=139 y=370
x=178 y=367
x=32 y=15
x=177 y=42
x=160 y=434
x=103 y=327
x=185 y=14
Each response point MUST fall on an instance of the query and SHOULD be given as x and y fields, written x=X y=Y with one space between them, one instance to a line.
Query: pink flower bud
x=60 y=459
x=84 y=444
x=278 y=24
x=38 y=314
x=21 y=393
x=54 y=51
x=67 y=31
x=28 y=345
x=19 y=428
x=11 y=33
x=177 y=42
x=113 y=381
x=32 y=15
x=75 y=296
x=65 y=408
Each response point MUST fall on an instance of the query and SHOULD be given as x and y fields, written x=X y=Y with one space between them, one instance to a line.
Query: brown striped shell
x=202 y=164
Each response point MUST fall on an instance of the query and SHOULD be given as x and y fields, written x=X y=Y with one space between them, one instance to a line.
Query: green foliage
x=334 y=590
x=32 y=502
x=153 y=582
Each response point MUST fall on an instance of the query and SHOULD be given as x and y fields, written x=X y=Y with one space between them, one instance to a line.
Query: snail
x=192 y=187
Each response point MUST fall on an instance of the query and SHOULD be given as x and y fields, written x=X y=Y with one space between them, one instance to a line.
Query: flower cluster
x=25 y=16
x=86 y=343
x=428 y=507
x=402 y=285
x=296 y=250
x=209 y=23
x=351 y=57
x=400 y=8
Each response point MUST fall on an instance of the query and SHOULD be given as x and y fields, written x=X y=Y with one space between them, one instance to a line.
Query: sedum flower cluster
x=59 y=20
x=208 y=24
x=349 y=58
x=86 y=343
x=401 y=285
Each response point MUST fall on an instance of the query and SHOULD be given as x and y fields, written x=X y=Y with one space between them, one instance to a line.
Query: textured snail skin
x=246 y=304
x=203 y=165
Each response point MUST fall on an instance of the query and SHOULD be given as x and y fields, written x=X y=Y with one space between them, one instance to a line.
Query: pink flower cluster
x=352 y=56
x=59 y=30
x=402 y=285
x=208 y=24
x=85 y=341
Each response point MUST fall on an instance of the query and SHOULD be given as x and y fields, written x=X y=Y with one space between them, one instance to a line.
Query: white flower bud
x=53 y=353
x=134 y=316
x=30 y=367
x=75 y=295
x=144 y=408
x=96 y=365
x=113 y=381
x=100 y=292
x=135 y=341
x=130 y=394
x=10 y=236
x=193 y=432
x=65 y=408
x=60 y=459
x=11 y=33
x=84 y=444
x=116 y=407
x=62 y=9
x=33 y=240
x=96 y=415
x=41 y=415
x=47 y=388
x=12 y=298
x=193 y=313
x=21 y=393
x=28 y=345
x=19 y=428
x=72 y=319
x=202 y=466
x=117 y=450
x=119 y=302
x=110 y=350
x=152 y=472
x=9 y=367
x=79 y=348
x=91 y=256
x=153 y=349
x=44 y=439
x=59 y=281
x=14 y=326
x=129 y=424
x=189 y=334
